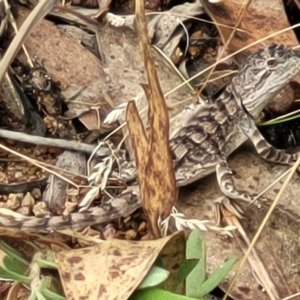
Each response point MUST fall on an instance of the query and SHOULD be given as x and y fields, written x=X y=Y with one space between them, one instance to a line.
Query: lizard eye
x=272 y=62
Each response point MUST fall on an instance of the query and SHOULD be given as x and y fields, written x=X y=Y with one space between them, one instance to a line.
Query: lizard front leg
x=227 y=186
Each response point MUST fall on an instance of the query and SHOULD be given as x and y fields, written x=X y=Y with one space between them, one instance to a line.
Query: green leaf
x=195 y=249
x=4 y=273
x=53 y=296
x=39 y=296
x=45 y=263
x=41 y=291
x=32 y=296
x=16 y=266
x=154 y=294
x=279 y=120
x=12 y=253
x=216 y=277
x=155 y=276
x=184 y=270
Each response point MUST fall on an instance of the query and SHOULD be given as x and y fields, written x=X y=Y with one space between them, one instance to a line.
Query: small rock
x=36 y=193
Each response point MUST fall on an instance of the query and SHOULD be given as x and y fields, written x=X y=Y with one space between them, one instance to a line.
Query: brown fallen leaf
x=56 y=191
x=80 y=73
x=14 y=291
x=257 y=22
x=154 y=163
x=166 y=29
x=114 y=268
x=125 y=70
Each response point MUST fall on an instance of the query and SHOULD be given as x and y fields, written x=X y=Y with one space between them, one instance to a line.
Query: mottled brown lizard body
x=214 y=130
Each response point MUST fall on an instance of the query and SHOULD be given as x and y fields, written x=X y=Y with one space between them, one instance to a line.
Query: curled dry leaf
x=163 y=27
x=92 y=194
x=123 y=265
x=153 y=158
x=101 y=172
x=118 y=111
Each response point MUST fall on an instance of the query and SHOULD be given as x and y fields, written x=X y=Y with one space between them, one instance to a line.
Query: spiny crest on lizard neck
x=263 y=74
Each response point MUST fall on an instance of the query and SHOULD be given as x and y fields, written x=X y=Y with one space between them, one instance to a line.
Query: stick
x=42 y=141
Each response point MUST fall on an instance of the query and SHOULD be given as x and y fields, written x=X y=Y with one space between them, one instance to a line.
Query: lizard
x=212 y=131
x=203 y=136
x=207 y=132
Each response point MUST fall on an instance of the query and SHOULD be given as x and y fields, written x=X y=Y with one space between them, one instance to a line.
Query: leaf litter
x=91 y=103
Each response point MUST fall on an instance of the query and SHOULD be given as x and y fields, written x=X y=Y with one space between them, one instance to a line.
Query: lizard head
x=263 y=74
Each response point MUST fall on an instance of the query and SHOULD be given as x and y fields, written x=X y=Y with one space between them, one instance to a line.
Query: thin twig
x=52 y=142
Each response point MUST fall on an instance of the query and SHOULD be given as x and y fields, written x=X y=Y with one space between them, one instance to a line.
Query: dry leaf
x=56 y=192
x=167 y=29
x=153 y=158
x=78 y=69
x=114 y=268
x=257 y=22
